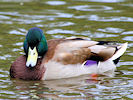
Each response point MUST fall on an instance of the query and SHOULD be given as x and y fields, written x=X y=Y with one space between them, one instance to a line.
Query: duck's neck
x=42 y=46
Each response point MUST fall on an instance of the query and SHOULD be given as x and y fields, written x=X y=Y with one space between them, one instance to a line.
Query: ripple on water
x=2 y=75
x=126 y=63
x=129 y=5
x=111 y=30
x=102 y=35
x=127 y=33
x=105 y=19
x=64 y=15
x=6 y=22
x=115 y=86
x=10 y=13
x=97 y=34
x=131 y=54
x=91 y=8
x=110 y=19
x=130 y=45
x=40 y=25
x=128 y=38
x=35 y=17
x=26 y=21
x=58 y=36
x=7 y=92
x=16 y=32
x=59 y=24
x=16 y=0
x=55 y=31
x=19 y=44
x=5 y=57
x=14 y=50
x=113 y=11
x=56 y=3
x=22 y=30
x=1 y=46
x=85 y=33
x=106 y=1
x=4 y=17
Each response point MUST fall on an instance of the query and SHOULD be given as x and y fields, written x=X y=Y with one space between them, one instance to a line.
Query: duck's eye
x=33 y=53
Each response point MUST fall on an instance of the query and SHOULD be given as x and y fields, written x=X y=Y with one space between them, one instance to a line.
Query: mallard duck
x=64 y=58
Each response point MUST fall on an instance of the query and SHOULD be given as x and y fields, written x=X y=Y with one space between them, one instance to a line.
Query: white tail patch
x=106 y=67
x=120 y=51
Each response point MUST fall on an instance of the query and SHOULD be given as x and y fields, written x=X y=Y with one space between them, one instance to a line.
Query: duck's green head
x=35 y=45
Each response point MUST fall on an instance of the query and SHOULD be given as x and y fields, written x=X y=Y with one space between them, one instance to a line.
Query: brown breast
x=19 y=70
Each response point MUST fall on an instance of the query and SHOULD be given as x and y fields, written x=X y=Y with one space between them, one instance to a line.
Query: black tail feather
x=106 y=42
x=116 y=60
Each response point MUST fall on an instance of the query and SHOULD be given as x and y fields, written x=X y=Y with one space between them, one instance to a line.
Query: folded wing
x=73 y=51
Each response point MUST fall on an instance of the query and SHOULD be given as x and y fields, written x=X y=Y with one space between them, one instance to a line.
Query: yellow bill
x=32 y=57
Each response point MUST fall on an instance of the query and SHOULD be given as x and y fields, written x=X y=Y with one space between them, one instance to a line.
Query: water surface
x=96 y=19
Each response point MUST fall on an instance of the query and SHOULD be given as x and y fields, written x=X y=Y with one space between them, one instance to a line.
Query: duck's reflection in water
x=64 y=89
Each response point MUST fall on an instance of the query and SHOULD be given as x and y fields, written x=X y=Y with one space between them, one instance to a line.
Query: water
x=96 y=19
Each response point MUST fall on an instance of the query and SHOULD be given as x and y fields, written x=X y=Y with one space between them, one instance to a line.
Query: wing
x=102 y=53
x=78 y=50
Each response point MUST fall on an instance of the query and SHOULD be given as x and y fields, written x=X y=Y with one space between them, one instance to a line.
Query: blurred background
x=110 y=20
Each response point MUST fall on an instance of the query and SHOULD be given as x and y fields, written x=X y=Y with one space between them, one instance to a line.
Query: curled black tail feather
x=116 y=60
